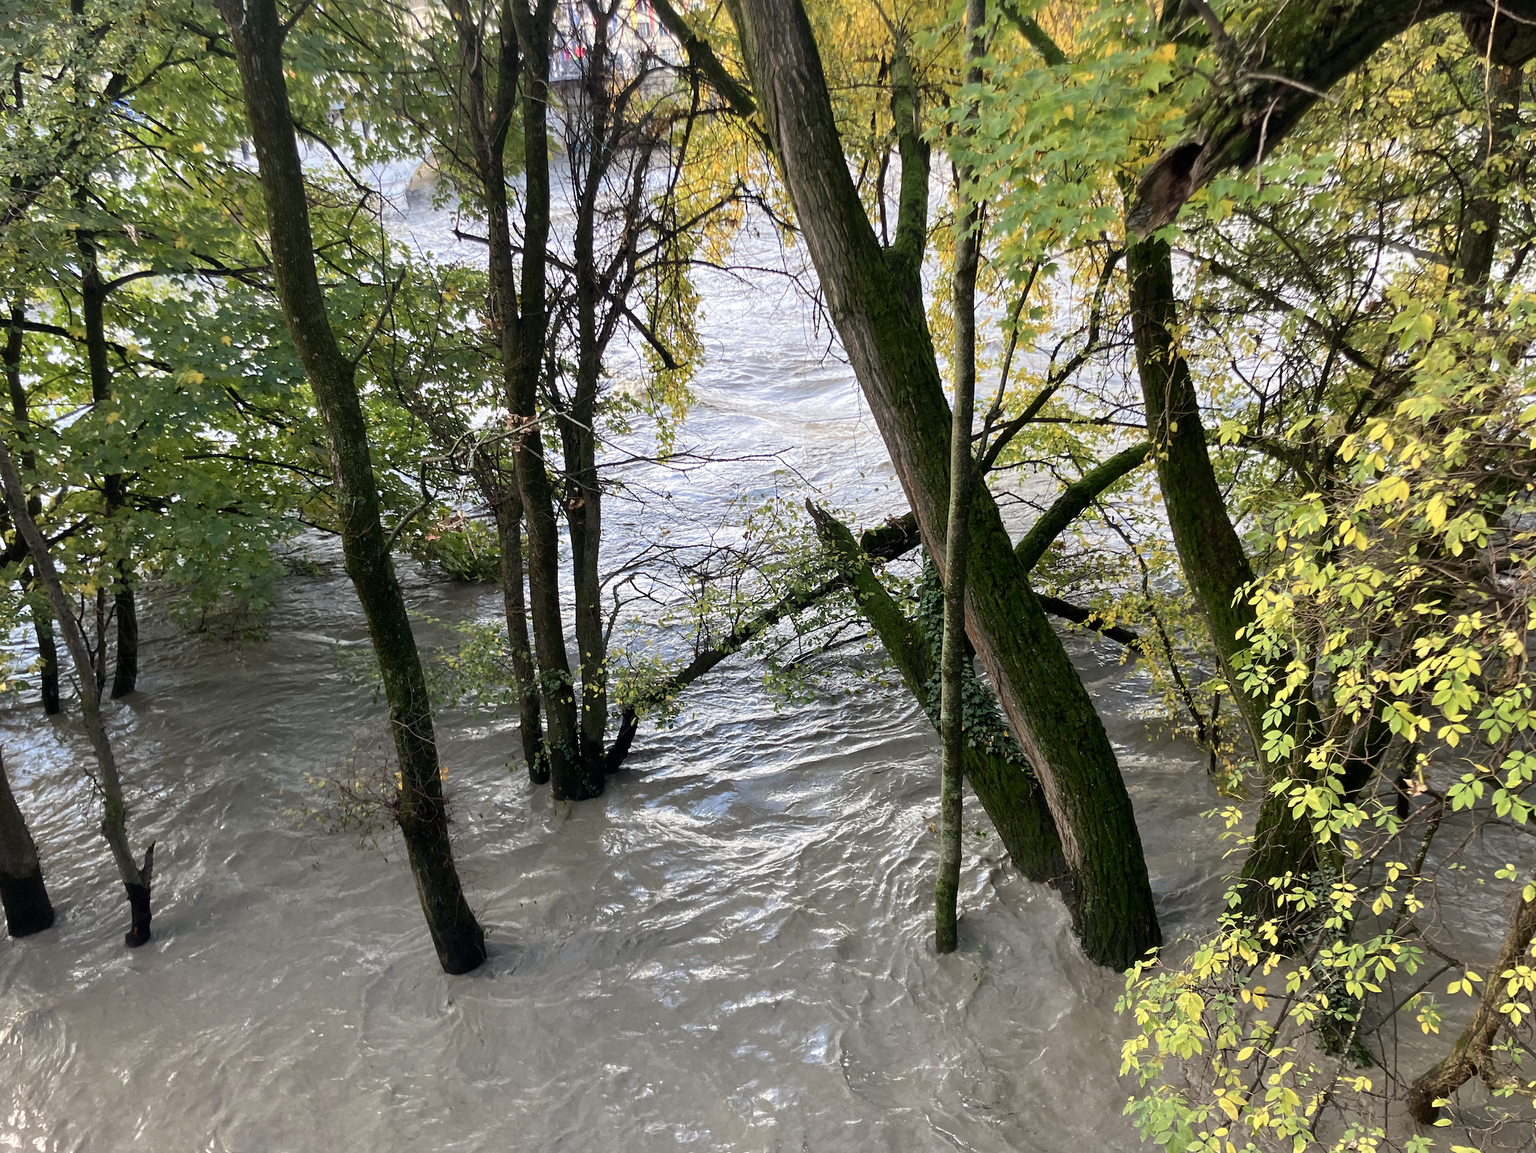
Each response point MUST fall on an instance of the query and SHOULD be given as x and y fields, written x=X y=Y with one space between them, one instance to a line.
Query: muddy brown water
x=730 y=950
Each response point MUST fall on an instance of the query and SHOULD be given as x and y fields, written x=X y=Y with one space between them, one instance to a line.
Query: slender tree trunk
x=42 y=621
x=875 y=297
x=27 y=908
x=114 y=825
x=583 y=496
x=525 y=49
x=93 y=298
x=962 y=468
x=257 y=36
x=508 y=506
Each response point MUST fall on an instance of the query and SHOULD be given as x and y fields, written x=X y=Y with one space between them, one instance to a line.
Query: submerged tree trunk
x=27 y=908
x=508 y=507
x=521 y=318
x=875 y=297
x=955 y=651
x=257 y=35
x=93 y=298
x=114 y=826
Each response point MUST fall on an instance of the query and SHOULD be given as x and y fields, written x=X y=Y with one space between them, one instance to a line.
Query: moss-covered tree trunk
x=1007 y=789
x=1212 y=556
x=257 y=35
x=22 y=893
x=875 y=297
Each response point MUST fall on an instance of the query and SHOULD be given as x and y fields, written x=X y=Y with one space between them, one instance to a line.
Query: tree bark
x=93 y=299
x=257 y=36
x=125 y=670
x=1482 y=215
x=1267 y=79
x=42 y=621
x=114 y=826
x=48 y=661
x=27 y=908
x=1216 y=567
x=521 y=315
x=875 y=297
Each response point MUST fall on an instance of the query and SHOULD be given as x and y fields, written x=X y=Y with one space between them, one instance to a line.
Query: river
x=731 y=949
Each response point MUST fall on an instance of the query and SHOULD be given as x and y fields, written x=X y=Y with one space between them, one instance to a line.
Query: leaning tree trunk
x=114 y=825
x=1007 y=790
x=257 y=36
x=1472 y=1054
x=875 y=297
x=27 y=908
x=1215 y=565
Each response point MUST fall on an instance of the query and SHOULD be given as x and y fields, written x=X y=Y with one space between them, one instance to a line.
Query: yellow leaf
x=224 y=340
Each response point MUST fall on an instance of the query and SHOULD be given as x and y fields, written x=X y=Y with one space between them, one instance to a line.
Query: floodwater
x=729 y=950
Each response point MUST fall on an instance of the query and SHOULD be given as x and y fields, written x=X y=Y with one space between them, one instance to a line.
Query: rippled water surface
x=729 y=950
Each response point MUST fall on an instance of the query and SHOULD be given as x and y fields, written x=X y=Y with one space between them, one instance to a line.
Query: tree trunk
x=955 y=651
x=1472 y=1053
x=125 y=672
x=27 y=908
x=508 y=507
x=1278 y=67
x=523 y=335
x=93 y=297
x=42 y=622
x=257 y=36
x=114 y=825
x=1215 y=564
x=48 y=660
x=875 y=297
x=1481 y=217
